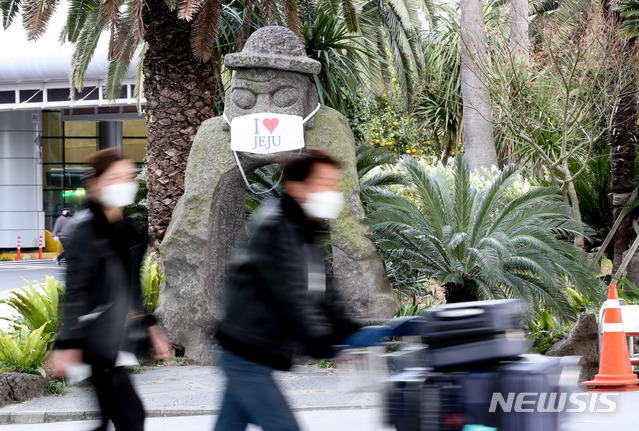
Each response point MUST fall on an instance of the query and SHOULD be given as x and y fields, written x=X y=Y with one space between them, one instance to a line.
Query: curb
x=39 y=417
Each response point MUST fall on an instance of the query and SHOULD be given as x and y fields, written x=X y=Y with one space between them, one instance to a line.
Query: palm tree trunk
x=519 y=29
x=458 y=293
x=180 y=93
x=623 y=154
x=478 y=127
x=622 y=138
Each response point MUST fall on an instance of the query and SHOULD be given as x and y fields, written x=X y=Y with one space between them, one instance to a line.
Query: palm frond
x=187 y=9
x=85 y=46
x=205 y=30
x=293 y=18
x=36 y=15
x=10 y=9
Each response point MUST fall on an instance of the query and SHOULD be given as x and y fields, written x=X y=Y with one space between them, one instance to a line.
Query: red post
x=40 y=249
x=18 y=256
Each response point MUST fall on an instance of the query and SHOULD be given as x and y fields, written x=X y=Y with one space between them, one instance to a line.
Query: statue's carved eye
x=285 y=97
x=244 y=98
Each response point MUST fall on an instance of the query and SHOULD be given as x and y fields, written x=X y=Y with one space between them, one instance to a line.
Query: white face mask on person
x=323 y=204
x=118 y=195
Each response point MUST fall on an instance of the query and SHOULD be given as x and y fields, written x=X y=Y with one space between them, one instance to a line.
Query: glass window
x=52 y=207
x=52 y=150
x=134 y=148
x=52 y=176
x=78 y=150
x=51 y=124
x=134 y=129
x=74 y=176
x=80 y=129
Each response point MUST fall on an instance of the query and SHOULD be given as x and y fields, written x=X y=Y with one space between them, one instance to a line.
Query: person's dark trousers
x=252 y=396
x=65 y=243
x=118 y=400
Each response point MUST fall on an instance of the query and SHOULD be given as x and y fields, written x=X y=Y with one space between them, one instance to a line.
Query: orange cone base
x=610 y=388
x=617 y=381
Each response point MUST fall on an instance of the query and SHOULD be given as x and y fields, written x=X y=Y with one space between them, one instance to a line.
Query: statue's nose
x=264 y=103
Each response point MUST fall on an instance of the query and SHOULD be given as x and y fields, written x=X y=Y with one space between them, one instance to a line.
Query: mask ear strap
x=311 y=114
x=239 y=165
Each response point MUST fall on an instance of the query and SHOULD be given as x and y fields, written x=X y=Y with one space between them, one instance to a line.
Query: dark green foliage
x=342 y=57
x=593 y=192
x=474 y=241
x=137 y=212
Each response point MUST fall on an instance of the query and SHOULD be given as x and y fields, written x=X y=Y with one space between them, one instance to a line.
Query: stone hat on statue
x=273 y=47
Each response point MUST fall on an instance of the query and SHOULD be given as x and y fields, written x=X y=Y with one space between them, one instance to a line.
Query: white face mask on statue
x=118 y=195
x=323 y=204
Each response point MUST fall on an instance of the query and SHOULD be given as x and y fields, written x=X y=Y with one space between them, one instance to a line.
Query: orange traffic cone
x=615 y=371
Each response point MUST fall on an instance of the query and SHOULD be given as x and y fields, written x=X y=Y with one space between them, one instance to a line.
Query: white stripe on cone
x=613 y=327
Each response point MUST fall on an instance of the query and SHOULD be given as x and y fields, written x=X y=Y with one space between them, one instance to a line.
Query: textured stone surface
x=273 y=47
x=581 y=341
x=18 y=387
x=208 y=221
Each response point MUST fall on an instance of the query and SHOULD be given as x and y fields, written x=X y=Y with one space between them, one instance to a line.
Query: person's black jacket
x=103 y=294
x=270 y=312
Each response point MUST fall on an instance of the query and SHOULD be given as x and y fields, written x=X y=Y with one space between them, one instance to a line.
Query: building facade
x=46 y=135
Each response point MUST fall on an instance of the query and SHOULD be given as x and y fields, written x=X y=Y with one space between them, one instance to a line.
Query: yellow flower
x=413 y=150
x=372 y=144
x=394 y=123
x=391 y=143
x=377 y=141
x=394 y=79
x=385 y=95
x=452 y=154
x=416 y=156
x=407 y=151
x=423 y=130
x=382 y=144
x=423 y=148
x=461 y=151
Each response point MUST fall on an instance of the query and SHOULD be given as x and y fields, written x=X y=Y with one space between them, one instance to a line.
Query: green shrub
x=37 y=305
x=57 y=387
x=24 y=350
x=150 y=278
x=478 y=245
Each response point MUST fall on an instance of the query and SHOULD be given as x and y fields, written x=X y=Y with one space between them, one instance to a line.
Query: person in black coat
x=281 y=301
x=104 y=321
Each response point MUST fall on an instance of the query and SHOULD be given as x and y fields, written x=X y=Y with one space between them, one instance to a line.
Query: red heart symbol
x=271 y=123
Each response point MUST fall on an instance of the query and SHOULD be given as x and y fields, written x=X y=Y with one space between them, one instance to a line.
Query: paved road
x=323 y=420
x=12 y=273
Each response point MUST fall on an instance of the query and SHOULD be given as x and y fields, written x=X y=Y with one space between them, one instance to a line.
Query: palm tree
x=478 y=127
x=622 y=136
x=179 y=44
x=478 y=245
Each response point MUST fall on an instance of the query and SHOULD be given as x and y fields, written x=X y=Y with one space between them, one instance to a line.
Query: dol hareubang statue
x=271 y=75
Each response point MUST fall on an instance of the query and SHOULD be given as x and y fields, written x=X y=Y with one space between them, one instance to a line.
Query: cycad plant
x=37 y=306
x=478 y=245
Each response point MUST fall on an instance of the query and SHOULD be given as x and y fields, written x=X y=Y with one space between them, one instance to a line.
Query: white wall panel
x=19 y=172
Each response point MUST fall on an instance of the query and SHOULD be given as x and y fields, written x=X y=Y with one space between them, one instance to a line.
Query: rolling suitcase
x=473 y=334
x=538 y=377
x=477 y=393
x=403 y=399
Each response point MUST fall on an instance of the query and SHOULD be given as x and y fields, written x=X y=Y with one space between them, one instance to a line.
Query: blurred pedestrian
x=105 y=323
x=62 y=231
x=281 y=301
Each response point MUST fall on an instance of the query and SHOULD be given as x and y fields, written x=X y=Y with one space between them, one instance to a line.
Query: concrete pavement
x=188 y=398
x=197 y=391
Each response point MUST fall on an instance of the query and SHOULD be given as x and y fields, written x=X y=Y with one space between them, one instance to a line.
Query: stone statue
x=271 y=75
